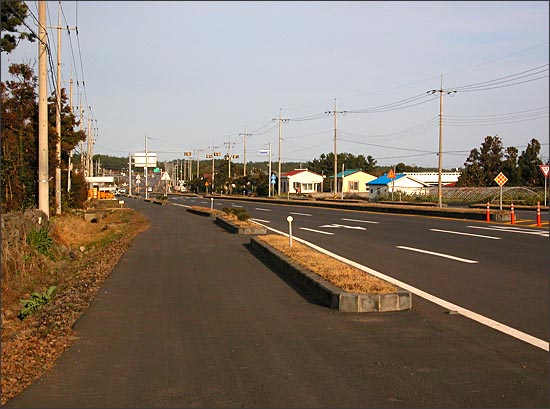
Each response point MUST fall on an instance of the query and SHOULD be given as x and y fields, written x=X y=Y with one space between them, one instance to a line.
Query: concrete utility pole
x=440 y=155
x=129 y=174
x=70 y=165
x=146 y=163
x=269 y=177
x=198 y=151
x=281 y=120
x=43 y=191
x=244 y=150
x=89 y=149
x=213 y=173
x=335 y=113
x=228 y=144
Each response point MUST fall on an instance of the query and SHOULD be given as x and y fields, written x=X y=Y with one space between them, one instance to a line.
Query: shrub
x=239 y=212
x=41 y=241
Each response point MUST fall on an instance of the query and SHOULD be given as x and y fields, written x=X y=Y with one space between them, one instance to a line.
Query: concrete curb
x=326 y=293
x=233 y=228
x=211 y=213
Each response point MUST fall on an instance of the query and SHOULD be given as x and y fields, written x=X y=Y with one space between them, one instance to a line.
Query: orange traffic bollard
x=538 y=215
x=488 y=218
x=512 y=215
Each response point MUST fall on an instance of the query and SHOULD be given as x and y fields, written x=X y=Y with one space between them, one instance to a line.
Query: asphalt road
x=190 y=318
x=498 y=270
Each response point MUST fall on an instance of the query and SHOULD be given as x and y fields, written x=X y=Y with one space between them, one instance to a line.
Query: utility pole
x=146 y=163
x=213 y=154
x=89 y=149
x=269 y=177
x=228 y=144
x=129 y=174
x=58 y=116
x=244 y=151
x=335 y=113
x=70 y=168
x=440 y=155
x=198 y=151
x=43 y=193
x=281 y=120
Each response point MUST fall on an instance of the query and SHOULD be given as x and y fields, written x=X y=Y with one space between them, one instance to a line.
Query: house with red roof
x=301 y=181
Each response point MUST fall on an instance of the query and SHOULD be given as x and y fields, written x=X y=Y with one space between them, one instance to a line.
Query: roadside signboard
x=141 y=161
x=544 y=169
x=501 y=179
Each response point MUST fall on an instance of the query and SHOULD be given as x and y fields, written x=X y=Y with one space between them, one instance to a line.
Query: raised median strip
x=250 y=228
x=325 y=292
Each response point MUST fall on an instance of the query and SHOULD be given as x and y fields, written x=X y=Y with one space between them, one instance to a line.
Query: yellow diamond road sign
x=501 y=179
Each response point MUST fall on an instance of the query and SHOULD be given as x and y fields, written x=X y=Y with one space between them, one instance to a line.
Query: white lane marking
x=182 y=205
x=263 y=210
x=467 y=234
x=539 y=343
x=316 y=231
x=464 y=260
x=300 y=214
x=338 y=226
x=260 y=220
x=512 y=230
x=359 y=221
x=203 y=202
x=234 y=205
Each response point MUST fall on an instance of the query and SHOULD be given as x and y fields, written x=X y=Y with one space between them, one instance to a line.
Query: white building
x=401 y=183
x=301 y=181
x=431 y=178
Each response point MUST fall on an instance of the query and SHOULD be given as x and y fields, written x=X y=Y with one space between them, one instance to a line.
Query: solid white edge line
x=316 y=231
x=433 y=253
x=531 y=232
x=467 y=234
x=539 y=343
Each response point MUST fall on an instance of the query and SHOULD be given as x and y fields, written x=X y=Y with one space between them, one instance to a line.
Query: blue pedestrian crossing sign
x=273 y=178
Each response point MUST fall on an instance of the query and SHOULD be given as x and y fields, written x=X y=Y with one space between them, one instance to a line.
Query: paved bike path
x=190 y=318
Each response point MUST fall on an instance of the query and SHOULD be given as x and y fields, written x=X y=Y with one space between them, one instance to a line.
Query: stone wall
x=16 y=225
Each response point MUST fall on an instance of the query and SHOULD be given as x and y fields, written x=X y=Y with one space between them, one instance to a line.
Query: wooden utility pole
x=43 y=188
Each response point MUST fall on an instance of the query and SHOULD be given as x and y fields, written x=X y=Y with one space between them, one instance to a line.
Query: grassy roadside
x=344 y=276
x=75 y=257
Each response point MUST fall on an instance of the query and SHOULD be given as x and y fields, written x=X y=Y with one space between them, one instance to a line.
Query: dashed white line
x=513 y=230
x=316 y=231
x=300 y=214
x=182 y=205
x=262 y=210
x=467 y=234
x=360 y=221
x=463 y=260
x=234 y=205
x=539 y=343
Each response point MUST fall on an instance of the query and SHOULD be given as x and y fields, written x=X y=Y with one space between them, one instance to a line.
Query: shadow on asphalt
x=304 y=293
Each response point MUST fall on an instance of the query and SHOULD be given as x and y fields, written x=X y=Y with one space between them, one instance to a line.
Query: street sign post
x=391 y=175
x=545 y=169
x=501 y=179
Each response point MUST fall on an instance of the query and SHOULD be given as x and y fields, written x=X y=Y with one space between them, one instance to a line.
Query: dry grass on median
x=341 y=275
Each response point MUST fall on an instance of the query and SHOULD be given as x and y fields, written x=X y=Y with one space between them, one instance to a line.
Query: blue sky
x=191 y=75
